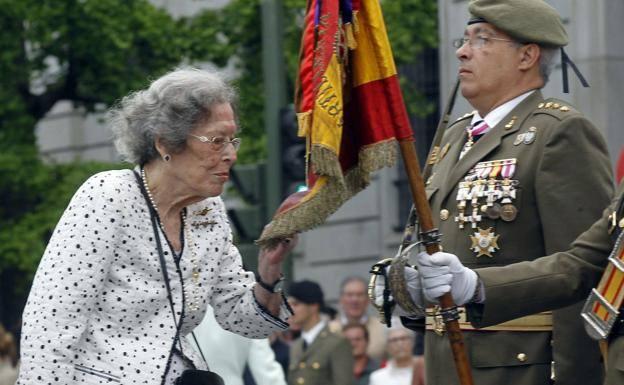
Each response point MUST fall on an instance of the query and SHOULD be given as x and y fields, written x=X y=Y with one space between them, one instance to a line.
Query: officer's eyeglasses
x=218 y=143
x=477 y=41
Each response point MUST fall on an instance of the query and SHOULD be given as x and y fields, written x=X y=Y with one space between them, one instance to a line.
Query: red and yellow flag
x=349 y=106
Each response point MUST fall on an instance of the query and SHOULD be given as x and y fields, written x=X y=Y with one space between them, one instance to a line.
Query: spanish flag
x=349 y=107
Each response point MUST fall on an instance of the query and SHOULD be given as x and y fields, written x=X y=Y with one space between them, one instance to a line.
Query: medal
x=508 y=212
x=484 y=242
x=493 y=211
x=508 y=191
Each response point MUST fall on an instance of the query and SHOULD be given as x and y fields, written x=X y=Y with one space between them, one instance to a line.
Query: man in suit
x=318 y=357
x=518 y=178
x=354 y=309
x=512 y=291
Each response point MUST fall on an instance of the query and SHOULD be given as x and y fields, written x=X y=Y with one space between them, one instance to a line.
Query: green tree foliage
x=90 y=52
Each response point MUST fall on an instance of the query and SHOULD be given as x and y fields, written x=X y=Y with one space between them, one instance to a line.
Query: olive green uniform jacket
x=552 y=282
x=565 y=181
x=327 y=361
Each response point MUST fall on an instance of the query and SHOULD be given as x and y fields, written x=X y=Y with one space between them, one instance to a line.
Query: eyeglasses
x=477 y=41
x=218 y=143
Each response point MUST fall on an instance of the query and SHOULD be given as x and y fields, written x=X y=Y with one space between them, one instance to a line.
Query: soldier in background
x=318 y=357
x=518 y=178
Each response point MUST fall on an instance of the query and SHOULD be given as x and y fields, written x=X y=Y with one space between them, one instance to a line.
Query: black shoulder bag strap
x=166 y=276
x=163 y=267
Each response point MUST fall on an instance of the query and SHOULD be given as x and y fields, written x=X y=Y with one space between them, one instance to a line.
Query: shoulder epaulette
x=555 y=107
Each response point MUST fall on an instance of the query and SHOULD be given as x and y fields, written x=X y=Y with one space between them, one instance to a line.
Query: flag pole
x=431 y=239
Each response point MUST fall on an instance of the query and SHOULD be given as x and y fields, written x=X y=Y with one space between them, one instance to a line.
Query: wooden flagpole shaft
x=421 y=204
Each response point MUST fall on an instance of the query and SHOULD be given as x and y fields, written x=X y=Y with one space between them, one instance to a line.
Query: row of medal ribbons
x=488 y=190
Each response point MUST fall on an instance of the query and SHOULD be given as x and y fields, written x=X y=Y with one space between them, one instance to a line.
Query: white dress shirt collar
x=310 y=335
x=496 y=115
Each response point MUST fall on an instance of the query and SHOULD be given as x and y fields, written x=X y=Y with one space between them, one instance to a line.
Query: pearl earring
x=167 y=157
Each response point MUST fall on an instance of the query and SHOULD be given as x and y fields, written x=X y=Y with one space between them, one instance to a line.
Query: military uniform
x=327 y=361
x=557 y=280
x=525 y=189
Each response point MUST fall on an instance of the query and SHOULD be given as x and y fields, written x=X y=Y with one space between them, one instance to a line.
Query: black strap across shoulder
x=163 y=267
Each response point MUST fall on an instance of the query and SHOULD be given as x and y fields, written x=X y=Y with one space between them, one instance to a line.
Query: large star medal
x=484 y=242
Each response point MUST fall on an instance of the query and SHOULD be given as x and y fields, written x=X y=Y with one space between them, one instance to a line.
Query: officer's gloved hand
x=414 y=288
x=442 y=273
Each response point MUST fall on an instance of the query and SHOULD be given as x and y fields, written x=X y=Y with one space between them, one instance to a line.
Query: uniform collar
x=311 y=334
x=496 y=115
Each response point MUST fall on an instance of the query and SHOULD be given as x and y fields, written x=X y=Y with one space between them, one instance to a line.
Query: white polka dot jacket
x=98 y=310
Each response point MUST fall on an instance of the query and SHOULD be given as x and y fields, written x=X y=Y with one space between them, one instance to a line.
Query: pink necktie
x=474 y=132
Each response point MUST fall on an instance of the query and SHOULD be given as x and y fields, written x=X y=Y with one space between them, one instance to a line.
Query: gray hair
x=350 y=279
x=170 y=108
x=547 y=61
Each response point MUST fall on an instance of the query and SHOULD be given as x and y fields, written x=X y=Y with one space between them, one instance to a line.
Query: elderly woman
x=99 y=310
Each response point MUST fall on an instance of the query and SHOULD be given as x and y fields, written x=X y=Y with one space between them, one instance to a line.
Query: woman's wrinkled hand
x=270 y=258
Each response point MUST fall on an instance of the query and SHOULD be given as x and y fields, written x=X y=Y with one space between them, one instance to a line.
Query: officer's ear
x=529 y=56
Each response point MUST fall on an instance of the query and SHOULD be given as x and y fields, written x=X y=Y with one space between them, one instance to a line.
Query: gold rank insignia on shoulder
x=553 y=106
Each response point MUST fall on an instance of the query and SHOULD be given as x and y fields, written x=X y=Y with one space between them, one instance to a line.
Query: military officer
x=518 y=178
x=319 y=357
x=512 y=291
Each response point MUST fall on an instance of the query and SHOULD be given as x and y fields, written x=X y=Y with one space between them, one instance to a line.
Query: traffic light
x=292 y=154
x=248 y=214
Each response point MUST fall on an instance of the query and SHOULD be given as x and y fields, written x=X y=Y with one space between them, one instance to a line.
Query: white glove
x=412 y=279
x=442 y=273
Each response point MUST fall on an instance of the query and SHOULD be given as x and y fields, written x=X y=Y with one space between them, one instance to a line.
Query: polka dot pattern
x=98 y=310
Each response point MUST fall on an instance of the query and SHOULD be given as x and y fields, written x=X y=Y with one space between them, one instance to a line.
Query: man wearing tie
x=518 y=178
x=318 y=357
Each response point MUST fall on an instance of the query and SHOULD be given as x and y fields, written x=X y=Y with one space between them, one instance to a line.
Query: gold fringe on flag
x=314 y=210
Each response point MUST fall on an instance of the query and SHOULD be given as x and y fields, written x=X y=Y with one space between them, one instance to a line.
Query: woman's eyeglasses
x=218 y=143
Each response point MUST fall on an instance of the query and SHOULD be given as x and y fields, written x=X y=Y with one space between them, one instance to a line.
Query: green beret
x=528 y=21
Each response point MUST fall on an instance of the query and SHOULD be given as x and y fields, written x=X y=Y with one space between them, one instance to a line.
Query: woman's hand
x=270 y=259
x=270 y=271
